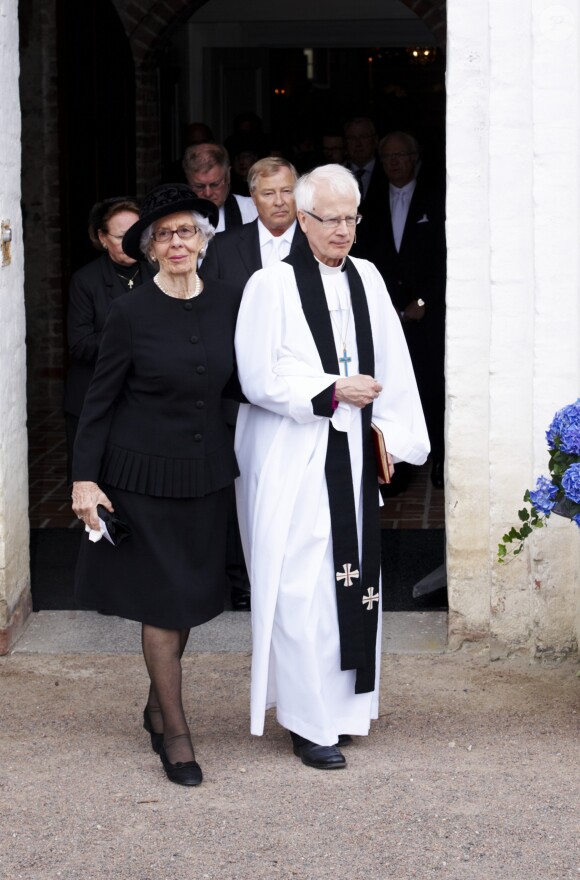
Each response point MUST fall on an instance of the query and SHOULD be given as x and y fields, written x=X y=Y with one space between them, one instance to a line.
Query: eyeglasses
x=396 y=155
x=165 y=235
x=215 y=185
x=334 y=222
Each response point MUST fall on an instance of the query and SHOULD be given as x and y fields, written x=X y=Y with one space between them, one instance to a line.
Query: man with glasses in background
x=321 y=354
x=207 y=169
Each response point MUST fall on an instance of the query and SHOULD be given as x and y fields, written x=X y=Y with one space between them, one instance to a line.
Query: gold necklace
x=196 y=292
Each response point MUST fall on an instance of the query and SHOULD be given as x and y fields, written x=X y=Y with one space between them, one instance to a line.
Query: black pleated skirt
x=169 y=572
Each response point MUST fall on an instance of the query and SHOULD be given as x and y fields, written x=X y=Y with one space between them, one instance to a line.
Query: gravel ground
x=472 y=772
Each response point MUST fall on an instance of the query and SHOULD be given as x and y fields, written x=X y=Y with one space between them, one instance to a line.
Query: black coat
x=417 y=270
x=234 y=255
x=152 y=422
x=92 y=290
x=376 y=194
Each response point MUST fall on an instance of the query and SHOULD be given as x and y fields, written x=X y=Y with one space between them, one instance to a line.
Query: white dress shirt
x=274 y=248
x=400 y=199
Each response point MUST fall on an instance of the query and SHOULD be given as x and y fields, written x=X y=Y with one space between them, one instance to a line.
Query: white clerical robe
x=282 y=496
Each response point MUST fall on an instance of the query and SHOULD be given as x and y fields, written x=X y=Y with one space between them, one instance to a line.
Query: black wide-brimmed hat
x=169 y=198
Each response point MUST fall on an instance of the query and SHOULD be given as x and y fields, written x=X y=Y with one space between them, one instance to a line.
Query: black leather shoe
x=156 y=738
x=437 y=475
x=182 y=772
x=344 y=739
x=241 y=600
x=319 y=757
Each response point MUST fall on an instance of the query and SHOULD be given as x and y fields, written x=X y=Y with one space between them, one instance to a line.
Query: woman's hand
x=85 y=497
x=359 y=390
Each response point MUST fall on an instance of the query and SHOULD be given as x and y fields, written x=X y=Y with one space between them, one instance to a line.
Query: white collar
x=266 y=236
x=329 y=270
x=409 y=188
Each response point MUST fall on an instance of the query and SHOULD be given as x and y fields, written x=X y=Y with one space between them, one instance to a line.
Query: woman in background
x=92 y=290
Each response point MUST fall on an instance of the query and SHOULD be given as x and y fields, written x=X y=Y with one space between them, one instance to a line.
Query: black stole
x=232 y=213
x=357 y=580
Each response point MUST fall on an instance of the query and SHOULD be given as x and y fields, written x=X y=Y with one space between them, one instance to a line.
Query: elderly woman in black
x=152 y=445
x=92 y=290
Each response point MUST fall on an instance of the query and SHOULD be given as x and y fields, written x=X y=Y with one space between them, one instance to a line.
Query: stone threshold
x=87 y=632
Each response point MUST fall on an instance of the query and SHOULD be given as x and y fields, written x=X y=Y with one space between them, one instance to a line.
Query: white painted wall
x=513 y=330
x=14 y=568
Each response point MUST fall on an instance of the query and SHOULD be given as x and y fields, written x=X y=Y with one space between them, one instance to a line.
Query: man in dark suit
x=361 y=141
x=208 y=172
x=407 y=244
x=234 y=256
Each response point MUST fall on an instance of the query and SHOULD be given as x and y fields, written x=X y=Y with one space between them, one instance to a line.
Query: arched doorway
x=185 y=57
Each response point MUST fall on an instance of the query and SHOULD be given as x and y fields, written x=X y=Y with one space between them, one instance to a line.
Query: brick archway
x=146 y=22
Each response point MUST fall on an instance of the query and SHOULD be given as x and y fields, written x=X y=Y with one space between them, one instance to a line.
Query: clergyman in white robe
x=282 y=495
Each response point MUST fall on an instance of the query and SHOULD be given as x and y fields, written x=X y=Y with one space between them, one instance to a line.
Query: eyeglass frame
x=213 y=186
x=334 y=222
x=194 y=230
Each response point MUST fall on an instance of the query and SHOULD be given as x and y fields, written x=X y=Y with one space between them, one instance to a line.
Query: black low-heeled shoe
x=182 y=772
x=156 y=738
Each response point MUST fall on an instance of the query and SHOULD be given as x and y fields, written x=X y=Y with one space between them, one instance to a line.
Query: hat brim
x=133 y=235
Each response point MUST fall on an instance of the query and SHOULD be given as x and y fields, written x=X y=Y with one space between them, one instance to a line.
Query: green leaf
x=524 y=514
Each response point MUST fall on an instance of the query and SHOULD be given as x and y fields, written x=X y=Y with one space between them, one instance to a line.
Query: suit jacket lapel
x=248 y=246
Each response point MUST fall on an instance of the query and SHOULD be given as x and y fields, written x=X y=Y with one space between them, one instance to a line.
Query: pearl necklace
x=196 y=292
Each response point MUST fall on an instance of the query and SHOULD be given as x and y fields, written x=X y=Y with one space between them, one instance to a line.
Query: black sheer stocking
x=162 y=650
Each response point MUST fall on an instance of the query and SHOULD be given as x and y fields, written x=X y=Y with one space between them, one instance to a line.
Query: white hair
x=337 y=178
x=204 y=226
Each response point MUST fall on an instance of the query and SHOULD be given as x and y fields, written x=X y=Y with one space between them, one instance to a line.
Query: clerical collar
x=330 y=270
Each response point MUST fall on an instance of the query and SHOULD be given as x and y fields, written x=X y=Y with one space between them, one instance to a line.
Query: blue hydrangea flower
x=564 y=418
x=576 y=519
x=571 y=483
x=542 y=497
x=570 y=439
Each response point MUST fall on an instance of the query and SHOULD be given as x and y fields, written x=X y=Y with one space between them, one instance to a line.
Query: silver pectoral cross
x=345 y=359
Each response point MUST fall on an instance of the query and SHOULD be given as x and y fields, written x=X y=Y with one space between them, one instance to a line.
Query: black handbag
x=115 y=529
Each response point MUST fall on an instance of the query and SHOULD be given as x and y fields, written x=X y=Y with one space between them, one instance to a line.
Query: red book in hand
x=380 y=453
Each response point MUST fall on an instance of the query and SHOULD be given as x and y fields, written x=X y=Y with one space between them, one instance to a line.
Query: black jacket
x=92 y=290
x=152 y=421
x=234 y=255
